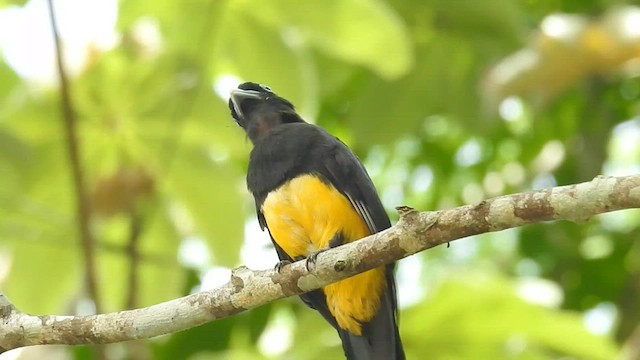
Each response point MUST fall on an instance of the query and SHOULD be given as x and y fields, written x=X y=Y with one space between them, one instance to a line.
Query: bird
x=312 y=193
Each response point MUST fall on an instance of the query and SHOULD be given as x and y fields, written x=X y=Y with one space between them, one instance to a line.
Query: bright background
x=447 y=102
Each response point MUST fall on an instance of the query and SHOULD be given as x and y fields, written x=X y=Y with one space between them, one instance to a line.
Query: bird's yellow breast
x=303 y=215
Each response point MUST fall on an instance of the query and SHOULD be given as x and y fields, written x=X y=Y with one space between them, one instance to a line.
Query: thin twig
x=83 y=210
x=133 y=252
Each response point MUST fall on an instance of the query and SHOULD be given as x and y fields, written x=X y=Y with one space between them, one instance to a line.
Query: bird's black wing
x=347 y=174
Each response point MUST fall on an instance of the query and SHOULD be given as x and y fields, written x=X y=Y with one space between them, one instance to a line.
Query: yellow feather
x=303 y=215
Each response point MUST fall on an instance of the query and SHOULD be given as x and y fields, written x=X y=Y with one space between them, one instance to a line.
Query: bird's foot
x=281 y=264
x=313 y=257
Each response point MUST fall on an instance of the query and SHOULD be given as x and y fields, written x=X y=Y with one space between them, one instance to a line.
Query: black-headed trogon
x=312 y=193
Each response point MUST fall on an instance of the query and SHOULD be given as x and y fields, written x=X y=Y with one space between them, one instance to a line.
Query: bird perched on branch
x=312 y=193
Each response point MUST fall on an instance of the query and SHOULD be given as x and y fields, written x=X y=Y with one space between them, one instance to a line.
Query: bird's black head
x=257 y=109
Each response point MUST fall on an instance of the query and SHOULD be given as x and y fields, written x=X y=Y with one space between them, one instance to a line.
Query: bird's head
x=257 y=109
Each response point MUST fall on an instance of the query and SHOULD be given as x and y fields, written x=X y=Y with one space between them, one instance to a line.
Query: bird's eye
x=265 y=87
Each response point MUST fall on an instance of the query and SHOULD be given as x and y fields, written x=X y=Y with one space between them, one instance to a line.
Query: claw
x=281 y=264
x=312 y=257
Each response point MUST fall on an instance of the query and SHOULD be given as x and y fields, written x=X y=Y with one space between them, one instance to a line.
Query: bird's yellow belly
x=303 y=216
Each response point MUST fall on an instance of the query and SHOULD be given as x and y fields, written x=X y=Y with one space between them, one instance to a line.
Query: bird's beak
x=237 y=95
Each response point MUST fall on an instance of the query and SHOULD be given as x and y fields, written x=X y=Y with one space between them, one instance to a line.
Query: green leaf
x=9 y=80
x=501 y=19
x=4 y=3
x=209 y=192
x=188 y=28
x=35 y=266
x=15 y=157
x=37 y=228
x=367 y=33
x=256 y=52
x=480 y=316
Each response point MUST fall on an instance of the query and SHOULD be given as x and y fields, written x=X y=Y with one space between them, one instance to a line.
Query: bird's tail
x=380 y=338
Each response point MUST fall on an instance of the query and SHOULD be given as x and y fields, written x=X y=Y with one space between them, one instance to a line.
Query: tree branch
x=247 y=289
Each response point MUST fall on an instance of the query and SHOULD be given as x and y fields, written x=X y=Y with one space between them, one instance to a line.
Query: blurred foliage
x=447 y=102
